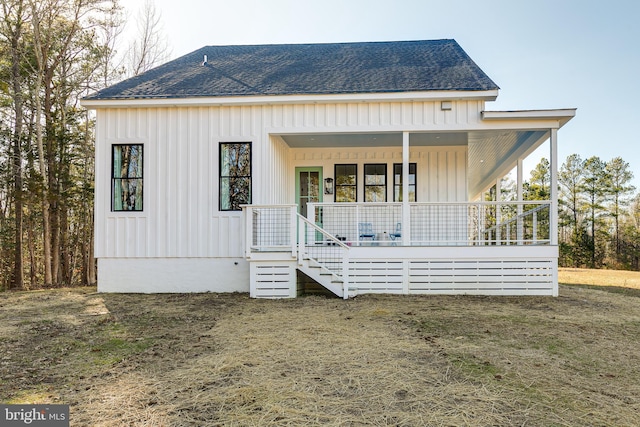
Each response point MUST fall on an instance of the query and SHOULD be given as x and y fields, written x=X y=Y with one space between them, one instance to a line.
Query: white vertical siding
x=442 y=174
x=278 y=178
x=441 y=171
x=180 y=216
x=181 y=148
x=375 y=116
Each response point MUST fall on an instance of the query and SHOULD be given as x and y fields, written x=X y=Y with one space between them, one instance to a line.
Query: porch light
x=328 y=186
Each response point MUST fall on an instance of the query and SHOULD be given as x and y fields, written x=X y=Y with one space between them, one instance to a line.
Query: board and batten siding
x=181 y=217
x=440 y=171
x=375 y=116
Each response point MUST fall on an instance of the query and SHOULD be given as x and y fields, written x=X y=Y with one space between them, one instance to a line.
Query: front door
x=308 y=188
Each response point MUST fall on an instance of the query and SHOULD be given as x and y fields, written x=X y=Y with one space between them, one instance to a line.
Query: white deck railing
x=324 y=250
x=275 y=228
x=436 y=224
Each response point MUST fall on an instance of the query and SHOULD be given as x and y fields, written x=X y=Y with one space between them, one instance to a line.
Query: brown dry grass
x=615 y=278
x=211 y=359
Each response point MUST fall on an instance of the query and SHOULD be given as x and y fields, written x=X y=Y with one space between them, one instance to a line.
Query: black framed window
x=235 y=175
x=397 y=182
x=375 y=182
x=126 y=177
x=346 y=183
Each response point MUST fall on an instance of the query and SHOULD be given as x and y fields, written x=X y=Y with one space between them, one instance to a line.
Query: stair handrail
x=302 y=250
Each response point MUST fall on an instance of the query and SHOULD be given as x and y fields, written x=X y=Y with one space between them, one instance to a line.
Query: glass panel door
x=308 y=188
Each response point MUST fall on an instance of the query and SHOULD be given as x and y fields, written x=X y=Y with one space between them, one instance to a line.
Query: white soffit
x=492 y=154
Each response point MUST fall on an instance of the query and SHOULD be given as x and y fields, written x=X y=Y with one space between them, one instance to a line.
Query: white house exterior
x=211 y=172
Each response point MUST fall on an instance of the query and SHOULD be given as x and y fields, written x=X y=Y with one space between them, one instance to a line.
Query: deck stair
x=322 y=275
x=323 y=257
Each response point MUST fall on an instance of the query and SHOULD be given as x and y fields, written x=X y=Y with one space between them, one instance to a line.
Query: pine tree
x=571 y=206
x=620 y=177
x=595 y=186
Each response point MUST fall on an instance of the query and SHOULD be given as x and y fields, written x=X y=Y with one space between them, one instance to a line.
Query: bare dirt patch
x=212 y=359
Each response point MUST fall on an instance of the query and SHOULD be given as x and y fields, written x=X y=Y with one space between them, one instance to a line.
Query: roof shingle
x=297 y=69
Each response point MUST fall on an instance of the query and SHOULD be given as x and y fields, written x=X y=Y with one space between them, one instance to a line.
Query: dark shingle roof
x=296 y=69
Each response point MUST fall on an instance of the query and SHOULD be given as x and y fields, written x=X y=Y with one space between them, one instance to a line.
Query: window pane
x=127 y=194
x=346 y=174
x=127 y=161
x=345 y=194
x=374 y=194
x=314 y=186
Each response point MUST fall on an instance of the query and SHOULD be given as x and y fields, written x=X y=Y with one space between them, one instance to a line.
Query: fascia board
x=560 y=115
x=489 y=95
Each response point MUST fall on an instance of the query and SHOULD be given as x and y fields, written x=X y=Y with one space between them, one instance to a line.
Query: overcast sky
x=582 y=54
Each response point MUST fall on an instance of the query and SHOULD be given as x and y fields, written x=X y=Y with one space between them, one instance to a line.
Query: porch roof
x=493 y=150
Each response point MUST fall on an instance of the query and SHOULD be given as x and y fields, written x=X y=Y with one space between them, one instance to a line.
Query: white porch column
x=498 y=210
x=519 y=190
x=553 y=170
x=406 y=214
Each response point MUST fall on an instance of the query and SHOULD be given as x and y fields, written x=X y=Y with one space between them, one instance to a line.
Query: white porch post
x=553 y=169
x=519 y=189
x=248 y=230
x=293 y=230
x=406 y=214
x=498 y=210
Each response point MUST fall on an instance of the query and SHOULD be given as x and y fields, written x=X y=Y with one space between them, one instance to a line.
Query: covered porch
x=435 y=235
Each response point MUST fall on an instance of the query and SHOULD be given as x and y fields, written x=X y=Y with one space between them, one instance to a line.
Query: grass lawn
x=611 y=278
x=224 y=359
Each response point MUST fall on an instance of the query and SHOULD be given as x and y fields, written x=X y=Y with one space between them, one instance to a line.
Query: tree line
x=52 y=53
x=598 y=210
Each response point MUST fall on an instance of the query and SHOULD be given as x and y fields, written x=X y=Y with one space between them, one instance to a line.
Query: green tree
x=596 y=186
x=571 y=207
x=12 y=28
x=620 y=176
x=52 y=53
x=632 y=234
x=539 y=185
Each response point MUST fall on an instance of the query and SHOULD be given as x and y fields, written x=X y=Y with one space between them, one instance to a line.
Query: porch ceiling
x=492 y=154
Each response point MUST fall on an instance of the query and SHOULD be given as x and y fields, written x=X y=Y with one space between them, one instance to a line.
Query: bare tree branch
x=151 y=46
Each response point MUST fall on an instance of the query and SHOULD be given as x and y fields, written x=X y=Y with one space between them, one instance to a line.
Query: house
x=361 y=166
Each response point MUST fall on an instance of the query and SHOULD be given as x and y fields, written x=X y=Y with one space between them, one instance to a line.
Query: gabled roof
x=305 y=69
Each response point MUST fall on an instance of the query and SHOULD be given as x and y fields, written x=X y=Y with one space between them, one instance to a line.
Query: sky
x=543 y=54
